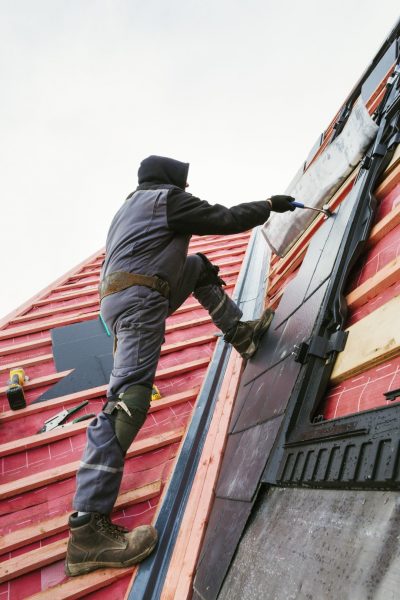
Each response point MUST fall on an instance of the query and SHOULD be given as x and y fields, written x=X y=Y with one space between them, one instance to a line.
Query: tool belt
x=121 y=280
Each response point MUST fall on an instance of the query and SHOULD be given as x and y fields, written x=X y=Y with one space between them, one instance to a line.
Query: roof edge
x=17 y=311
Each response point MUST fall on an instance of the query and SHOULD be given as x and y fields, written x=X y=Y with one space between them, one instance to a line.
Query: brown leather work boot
x=95 y=543
x=245 y=337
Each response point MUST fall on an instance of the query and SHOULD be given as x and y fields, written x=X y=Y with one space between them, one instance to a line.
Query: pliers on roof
x=59 y=418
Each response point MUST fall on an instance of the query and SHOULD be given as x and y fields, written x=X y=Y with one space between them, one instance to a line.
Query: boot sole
x=72 y=570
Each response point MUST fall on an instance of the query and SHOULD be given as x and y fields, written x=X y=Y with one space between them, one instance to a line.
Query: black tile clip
x=392 y=395
x=320 y=347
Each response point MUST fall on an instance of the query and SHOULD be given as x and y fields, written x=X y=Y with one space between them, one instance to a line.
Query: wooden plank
x=279 y=279
x=27 y=362
x=64 y=401
x=60 y=402
x=178 y=582
x=67 y=296
x=69 y=430
x=390 y=178
x=31 y=316
x=166 y=349
x=30 y=561
x=189 y=343
x=85 y=279
x=83 y=274
x=26 y=346
x=273 y=301
x=228 y=262
x=41 y=439
x=229 y=272
x=376 y=284
x=384 y=226
x=233 y=241
x=229 y=252
x=28 y=535
x=373 y=340
x=37 y=480
x=96 y=272
x=45 y=325
x=182 y=368
x=160 y=374
x=52 y=311
x=41 y=381
x=174 y=399
x=79 y=284
x=76 y=588
x=188 y=324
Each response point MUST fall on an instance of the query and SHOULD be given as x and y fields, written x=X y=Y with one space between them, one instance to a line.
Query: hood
x=160 y=169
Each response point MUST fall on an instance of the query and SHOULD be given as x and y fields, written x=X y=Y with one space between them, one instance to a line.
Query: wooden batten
x=71 y=429
x=41 y=381
x=27 y=362
x=56 y=403
x=31 y=316
x=26 y=346
x=371 y=341
x=51 y=298
x=385 y=225
x=381 y=281
x=43 y=529
x=77 y=587
x=37 y=480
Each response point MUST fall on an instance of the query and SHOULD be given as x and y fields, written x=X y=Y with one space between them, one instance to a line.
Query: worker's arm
x=188 y=214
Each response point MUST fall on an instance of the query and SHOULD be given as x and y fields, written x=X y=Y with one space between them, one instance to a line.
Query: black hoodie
x=189 y=214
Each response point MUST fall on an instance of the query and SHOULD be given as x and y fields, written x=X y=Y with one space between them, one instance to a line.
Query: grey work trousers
x=137 y=318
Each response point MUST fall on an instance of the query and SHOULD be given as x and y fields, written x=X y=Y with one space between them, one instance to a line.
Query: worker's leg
x=95 y=542
x=200 y=276
x=140 y=332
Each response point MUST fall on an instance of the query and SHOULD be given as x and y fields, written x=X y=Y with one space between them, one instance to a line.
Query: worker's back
x=140 y=241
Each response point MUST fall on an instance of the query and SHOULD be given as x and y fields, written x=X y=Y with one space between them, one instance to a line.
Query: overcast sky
x=239 y=88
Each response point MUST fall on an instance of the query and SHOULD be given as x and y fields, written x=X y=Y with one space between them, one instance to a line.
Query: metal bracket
x=320 y=347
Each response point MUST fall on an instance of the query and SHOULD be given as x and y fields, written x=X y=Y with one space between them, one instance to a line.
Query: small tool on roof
x=325 y=210
x=15 y=393
x=60 y=417
x=155 y=393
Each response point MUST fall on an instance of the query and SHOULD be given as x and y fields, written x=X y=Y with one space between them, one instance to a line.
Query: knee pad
x=210 y=274
x=129 y=414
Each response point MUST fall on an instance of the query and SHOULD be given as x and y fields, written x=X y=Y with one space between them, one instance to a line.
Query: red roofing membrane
x=38 y=470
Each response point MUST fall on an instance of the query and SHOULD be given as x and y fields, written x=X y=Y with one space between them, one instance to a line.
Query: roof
x=38 y=470
x=232 y=470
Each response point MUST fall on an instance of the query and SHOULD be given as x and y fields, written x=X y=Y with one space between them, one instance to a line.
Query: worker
x=145 y=277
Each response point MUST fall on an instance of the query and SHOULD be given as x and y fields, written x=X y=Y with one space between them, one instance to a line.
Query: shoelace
x=116 y=531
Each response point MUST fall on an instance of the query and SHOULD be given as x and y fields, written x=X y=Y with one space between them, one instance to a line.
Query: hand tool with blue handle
x=323 y=210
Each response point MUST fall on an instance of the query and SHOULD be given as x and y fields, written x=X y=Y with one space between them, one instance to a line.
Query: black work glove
x=281 y=204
